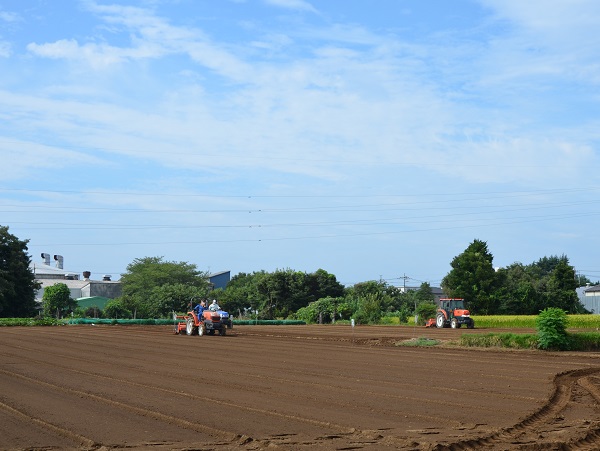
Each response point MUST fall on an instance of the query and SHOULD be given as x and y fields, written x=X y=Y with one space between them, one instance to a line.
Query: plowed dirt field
x=289 y=388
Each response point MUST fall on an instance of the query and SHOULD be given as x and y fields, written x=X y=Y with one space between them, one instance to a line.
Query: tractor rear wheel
x=189 y=326
x=440 y=320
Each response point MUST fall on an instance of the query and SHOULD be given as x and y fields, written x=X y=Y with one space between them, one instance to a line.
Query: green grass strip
x=505 y=340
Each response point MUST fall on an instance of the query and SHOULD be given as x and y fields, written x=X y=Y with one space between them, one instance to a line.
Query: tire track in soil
x=525 y=435
x=352 y=438
x=339 y=430
x=279 y=380
x=304 y=373
x=327 y=425
x=512 y=396
x=76 y=438
x=211 y=431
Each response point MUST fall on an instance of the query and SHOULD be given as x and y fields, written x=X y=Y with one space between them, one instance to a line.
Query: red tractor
x=452 y=313
x=208 y=323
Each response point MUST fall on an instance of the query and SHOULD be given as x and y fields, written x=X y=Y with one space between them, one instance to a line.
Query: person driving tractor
x=200 y=308
x=214 y=306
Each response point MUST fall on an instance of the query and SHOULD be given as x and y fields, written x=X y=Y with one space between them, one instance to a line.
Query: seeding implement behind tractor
x=207 y=323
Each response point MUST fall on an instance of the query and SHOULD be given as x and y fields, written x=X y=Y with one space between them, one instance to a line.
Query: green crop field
x=528 y=321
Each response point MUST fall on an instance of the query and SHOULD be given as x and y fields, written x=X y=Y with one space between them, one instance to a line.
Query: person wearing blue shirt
x=199 y=309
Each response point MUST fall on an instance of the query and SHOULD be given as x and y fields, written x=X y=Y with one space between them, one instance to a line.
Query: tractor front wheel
x=454 y=324
x=189 y=326
x=201 y=329
x=222 y=331
x=440 y=320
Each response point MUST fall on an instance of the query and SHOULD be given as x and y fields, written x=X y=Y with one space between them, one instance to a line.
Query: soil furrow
x=298 y=388
x=561 y=396
x=77 y=439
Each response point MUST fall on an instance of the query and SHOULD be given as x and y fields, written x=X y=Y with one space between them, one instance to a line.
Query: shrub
x=425 y=311
x=421 y=341
x=584 y=341
x=507 y=340
x=369 y=310
x=389 y=319
x=552 y=329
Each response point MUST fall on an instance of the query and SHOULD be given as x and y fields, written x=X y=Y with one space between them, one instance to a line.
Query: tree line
x=154 y=288
x=517 y=289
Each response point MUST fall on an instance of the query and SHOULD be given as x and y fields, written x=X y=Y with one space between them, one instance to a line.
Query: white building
x=80 y=287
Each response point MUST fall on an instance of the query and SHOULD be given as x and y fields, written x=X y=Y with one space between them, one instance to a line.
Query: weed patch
x=507 y=340
x=421 y=341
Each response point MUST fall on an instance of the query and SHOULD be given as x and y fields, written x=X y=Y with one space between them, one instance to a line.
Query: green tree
x=92 y=312
x=528 y=289
x=176 y=297
x=390 y=300
x=283 y=292
x=322 y=284
x=17 y=281
x=518 y=290
x=241 y=293
x=425 y=311
x=474 y=279
x=146 y=284
x=115 y=308
x=57 y=300
x=561 y=289
x=325 y=310
x=369 y=310
x=424 y=293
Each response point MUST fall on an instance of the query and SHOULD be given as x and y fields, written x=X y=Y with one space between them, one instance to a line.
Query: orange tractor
x=208 y=322
x=452 y=313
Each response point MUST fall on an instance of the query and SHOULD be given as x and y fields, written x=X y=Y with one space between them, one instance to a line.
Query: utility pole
x=404 y=277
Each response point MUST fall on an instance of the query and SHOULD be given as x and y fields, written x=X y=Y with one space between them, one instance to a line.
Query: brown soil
x=290 y=388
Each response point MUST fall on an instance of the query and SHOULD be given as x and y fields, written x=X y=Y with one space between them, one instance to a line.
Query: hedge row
x=162 y=322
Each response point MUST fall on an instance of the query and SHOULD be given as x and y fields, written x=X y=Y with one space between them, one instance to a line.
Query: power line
x=324 y=196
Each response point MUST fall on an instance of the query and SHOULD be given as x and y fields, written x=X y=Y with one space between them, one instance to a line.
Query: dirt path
x=287 y=387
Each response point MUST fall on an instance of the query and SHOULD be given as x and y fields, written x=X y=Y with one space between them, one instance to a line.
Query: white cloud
x=314 y=108
x=557 y=39
x=151 y=38
x=304 y=114
x=563 y=16
x=7 y=16
x=299 y=5
x=5 y=49
x=96 y=56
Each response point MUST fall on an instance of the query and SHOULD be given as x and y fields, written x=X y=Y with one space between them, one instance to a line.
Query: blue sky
x=370 y=139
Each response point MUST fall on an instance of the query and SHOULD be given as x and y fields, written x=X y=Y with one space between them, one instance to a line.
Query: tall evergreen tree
x=561 y=289
x=17 y=281
x=473 y=278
